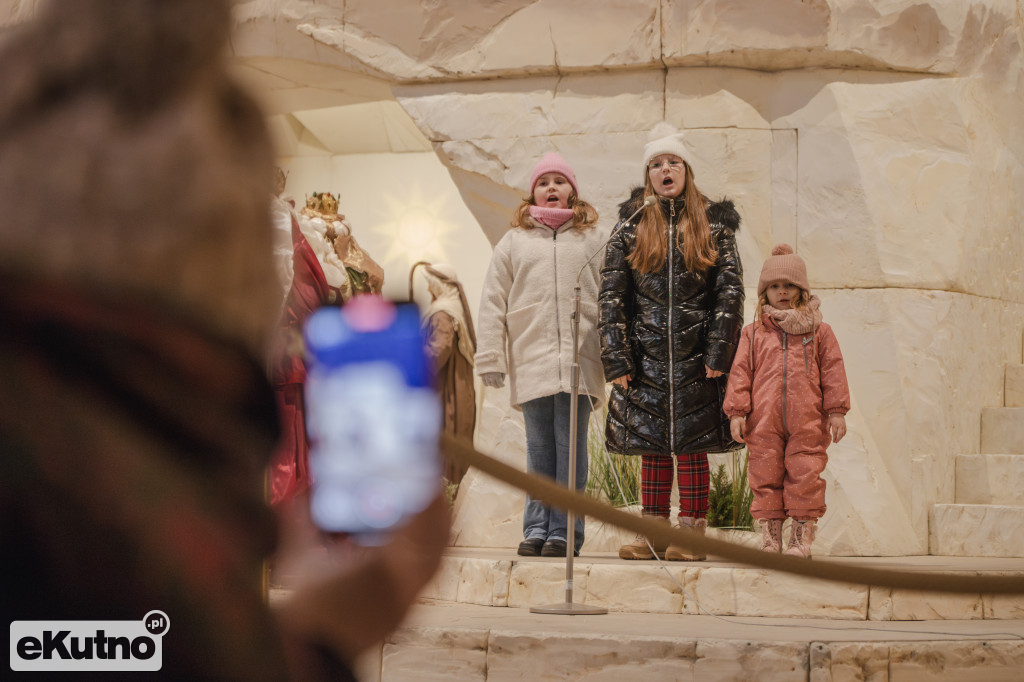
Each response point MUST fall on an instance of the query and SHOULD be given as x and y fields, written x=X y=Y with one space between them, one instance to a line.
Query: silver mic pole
x=568 y=608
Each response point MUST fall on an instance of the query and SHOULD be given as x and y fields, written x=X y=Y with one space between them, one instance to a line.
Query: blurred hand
x=622 y=382
x=837 y=426
x=493 y=379
x=712 y=373
x=350 y=597
x=738 y=428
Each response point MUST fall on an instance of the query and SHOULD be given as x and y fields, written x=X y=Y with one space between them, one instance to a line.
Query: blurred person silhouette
x=136 y=420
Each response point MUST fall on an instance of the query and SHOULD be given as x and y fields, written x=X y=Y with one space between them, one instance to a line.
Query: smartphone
x=373 y=418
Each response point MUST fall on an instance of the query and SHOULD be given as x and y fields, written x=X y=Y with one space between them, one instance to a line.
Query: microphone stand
x=568 y=608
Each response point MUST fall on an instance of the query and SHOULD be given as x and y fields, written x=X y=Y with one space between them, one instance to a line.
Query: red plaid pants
x=656 y=484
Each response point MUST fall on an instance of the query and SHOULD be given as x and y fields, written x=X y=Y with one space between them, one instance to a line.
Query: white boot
x=771 y=535
x=801 y=535
x=679 y=552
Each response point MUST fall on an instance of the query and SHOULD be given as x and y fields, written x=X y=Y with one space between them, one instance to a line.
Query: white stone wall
x=881 y=138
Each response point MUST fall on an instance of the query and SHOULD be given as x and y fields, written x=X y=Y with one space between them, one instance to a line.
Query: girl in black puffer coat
x=670 y=317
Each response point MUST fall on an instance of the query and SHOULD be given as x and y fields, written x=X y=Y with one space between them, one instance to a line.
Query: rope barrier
x=555 y=495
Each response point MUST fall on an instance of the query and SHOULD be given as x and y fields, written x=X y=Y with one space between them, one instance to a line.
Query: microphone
x=649 y=201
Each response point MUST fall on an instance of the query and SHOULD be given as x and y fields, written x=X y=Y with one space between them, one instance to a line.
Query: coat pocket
x=531 y=334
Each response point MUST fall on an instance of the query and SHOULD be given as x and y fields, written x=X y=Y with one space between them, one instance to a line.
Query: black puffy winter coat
x=662 y=328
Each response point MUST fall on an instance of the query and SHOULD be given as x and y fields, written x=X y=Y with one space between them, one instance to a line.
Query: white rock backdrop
x=881 y=138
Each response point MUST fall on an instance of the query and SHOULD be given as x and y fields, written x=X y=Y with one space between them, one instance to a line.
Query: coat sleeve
x=726 y=319
x=741 y=379
x=615 y=311
x=492 y=332
x=835 y=391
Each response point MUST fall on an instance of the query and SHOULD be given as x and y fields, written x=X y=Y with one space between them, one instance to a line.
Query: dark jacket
x=671 y=407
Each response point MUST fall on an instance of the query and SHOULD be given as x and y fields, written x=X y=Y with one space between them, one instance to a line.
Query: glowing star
x=416 y=229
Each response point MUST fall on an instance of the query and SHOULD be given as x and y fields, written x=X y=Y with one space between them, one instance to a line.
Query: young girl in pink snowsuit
x=787 y=398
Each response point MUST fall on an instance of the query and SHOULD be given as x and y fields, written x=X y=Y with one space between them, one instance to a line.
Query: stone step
x=460 y=642
x=1013 y=394
x=976 y=530
x=499 y=578
x=990 y=479
x=1002 y=430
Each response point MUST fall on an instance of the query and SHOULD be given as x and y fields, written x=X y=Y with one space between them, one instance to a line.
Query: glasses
x=674 y=165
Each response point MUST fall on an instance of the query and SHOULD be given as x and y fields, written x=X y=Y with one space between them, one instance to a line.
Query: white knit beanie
x=671 y=143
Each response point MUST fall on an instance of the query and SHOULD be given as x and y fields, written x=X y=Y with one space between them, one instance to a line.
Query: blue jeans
x=547 y=454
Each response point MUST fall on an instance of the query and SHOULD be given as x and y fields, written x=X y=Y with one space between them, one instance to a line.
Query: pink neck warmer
x=552 y=217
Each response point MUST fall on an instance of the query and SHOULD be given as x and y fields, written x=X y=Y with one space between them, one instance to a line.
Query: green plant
x=720 y=498
x=606 y=466
x=730 y=496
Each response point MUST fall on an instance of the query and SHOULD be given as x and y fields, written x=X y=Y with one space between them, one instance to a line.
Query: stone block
x=703 y=98
x=444 y=586
x=1003 y=606
x=481 y=110
x=740 y=661
x=848 y=662
x=1002 y=430
x=484 y=582
x=989 y=661
x=933 y=481
x=889 y=604
x=977 y=530
x=990 y=479
x=771 y=28
x=540 y=582
x=636 y=588
x=603 y=658
x=758 y=592
x=1013 y=394
x=609 y=102
x=441 y=654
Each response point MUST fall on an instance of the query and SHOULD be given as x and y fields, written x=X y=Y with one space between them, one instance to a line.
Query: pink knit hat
x=783 y=266
x=553 y=163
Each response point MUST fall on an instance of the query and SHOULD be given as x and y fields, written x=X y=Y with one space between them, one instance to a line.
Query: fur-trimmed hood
x=719 y=212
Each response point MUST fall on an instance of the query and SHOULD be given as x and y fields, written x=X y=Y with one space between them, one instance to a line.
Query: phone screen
x=373 y=418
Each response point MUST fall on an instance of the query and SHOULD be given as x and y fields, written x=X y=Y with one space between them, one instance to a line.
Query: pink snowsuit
x=786 y=385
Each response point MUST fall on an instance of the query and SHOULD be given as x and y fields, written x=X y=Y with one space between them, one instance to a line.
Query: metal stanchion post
x=568 y=608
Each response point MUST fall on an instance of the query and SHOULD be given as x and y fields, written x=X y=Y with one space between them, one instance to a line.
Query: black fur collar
x=719 y=212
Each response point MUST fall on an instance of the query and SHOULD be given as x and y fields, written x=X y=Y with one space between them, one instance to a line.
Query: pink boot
x=801 y=536
x=771 y=535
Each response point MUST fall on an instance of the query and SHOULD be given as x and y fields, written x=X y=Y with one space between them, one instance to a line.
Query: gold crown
x=323 y=202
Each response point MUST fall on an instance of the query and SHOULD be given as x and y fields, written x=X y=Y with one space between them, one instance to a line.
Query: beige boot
x=771 y=535
x=640 y=549
x=801 y=535
x=681 y=553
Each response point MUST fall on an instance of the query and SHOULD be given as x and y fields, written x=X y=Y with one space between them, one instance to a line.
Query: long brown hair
x=693 y=239
x=584 y=216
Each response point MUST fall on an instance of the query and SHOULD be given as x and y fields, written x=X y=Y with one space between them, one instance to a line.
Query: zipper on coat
x=558 y=323
x=671 y=355
x=807 y=365
x=785 y=429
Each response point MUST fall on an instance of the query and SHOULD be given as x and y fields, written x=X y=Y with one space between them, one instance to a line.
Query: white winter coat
x=525 y=325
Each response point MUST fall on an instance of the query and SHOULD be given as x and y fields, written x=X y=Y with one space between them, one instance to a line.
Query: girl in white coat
x=525 y=332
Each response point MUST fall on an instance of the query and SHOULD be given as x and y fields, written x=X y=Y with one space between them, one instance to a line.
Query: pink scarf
x=794 y=321
x=552 y=217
